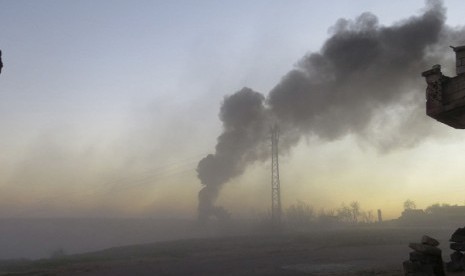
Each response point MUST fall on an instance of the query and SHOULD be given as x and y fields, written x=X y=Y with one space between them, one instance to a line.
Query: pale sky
x=107 y=106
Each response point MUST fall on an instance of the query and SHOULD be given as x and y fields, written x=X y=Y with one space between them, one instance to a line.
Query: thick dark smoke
x=1 y=63
x=361 y=71
x=244 y=118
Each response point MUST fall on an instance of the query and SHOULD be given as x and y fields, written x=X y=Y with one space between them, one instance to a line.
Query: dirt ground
x=366 y=252
x=350 y=260
x=339 y=252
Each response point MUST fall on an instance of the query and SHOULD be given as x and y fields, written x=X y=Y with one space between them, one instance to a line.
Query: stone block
x=410 y=266
x=454 y=266
x=423 y=258
x=429 y=241
x=458 y=235
x=425 y=249
x=456 y=256
x=457 y=246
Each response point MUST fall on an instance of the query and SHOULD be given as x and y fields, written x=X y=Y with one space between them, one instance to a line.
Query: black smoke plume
x=361 y=71
x=1 y=63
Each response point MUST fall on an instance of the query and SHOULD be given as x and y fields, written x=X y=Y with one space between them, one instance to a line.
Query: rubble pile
x=457 y=261
x=425 y=260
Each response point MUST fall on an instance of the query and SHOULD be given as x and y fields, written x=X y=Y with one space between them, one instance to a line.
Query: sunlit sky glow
x=107 y=106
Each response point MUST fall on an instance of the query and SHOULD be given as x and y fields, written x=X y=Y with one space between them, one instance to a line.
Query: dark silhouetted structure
x=425 y=259
x=275 y=184
x=1 y=63
x=380 y=216
x=445 y=96
x=457 y=259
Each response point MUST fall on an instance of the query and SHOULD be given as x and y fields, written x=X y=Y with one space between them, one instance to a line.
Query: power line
x=173 y=170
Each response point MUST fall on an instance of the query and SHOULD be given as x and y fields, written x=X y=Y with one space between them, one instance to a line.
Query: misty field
x=355 y=251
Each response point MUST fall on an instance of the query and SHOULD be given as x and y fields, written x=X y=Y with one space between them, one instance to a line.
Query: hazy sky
x=106 y=107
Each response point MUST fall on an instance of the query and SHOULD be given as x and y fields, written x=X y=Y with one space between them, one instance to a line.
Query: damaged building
x=445 y=96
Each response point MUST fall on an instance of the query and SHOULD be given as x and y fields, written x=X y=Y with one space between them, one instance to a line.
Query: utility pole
x=275 y=185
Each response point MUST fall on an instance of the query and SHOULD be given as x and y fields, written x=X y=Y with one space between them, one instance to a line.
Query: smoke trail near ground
x=361 y=71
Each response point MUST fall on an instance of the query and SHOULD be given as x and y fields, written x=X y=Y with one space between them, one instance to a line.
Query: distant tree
x=355 y=210
x=368 y=217
x=354 y=214
x=344 y=214
x=300 y=215
x=409 y=205
x=327 y=213
x=327 y=217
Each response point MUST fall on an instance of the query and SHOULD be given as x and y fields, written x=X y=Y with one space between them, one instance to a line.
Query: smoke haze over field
x=107 y=107
x=362 y=70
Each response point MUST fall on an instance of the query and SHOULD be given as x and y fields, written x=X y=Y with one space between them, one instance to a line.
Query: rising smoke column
x=361 y=70
x=244 y=126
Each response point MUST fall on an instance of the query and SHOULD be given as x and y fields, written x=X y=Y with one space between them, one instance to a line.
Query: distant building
x=413 y=215
x=447 y=212
x=433 y=215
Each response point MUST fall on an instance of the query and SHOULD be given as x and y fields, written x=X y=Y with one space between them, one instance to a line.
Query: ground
x=366 y=251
